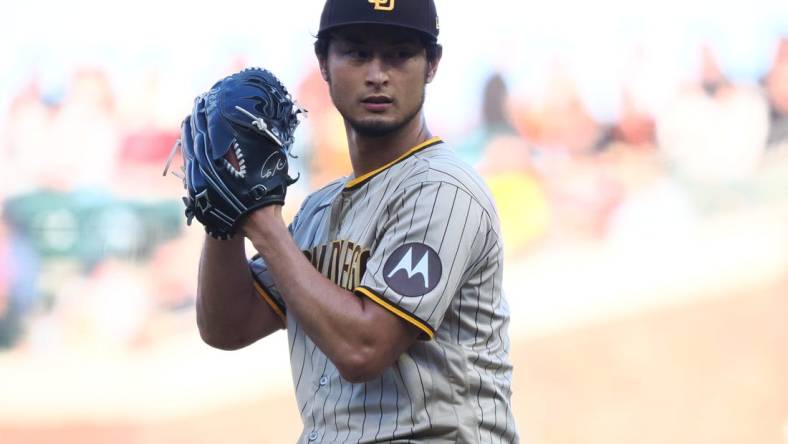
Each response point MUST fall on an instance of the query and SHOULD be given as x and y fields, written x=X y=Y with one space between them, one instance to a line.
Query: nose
x=377 y=72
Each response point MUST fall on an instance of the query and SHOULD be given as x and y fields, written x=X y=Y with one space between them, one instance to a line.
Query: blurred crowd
x=94 y=251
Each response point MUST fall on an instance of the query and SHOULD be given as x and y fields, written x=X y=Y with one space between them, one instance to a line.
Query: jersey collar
x=360 y=180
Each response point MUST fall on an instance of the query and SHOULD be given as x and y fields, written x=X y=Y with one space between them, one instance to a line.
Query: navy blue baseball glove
x=235 y=145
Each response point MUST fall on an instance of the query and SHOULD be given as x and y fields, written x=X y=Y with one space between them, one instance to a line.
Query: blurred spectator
x=18 y=281
x=171 y=275
x=85 y=135
x=173 y=268
x=777 y=91
x=107 y=309
x=559 y=123
x=714 y=129
x=518 y=192
x=148 y=135
x=580 y=194
x=26 y=141
x=634 y=129
x=503 y=158
x=149 y=146
x=84 y=237
x=495 y=120
x=9 y=318
x=654 y=208
x=327 y=158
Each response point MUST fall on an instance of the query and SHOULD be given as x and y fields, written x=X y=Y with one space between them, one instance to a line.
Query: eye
x=358 y=53
x=402 y=53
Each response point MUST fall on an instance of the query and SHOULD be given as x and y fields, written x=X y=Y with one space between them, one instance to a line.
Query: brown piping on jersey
x=390 y=306
x=358 y=181
x=279 y=310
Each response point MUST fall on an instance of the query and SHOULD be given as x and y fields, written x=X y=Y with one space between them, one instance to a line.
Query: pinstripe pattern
x=454 y=385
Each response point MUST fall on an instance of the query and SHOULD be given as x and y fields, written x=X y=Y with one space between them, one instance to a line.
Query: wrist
x=232 y=242
x=263 y=225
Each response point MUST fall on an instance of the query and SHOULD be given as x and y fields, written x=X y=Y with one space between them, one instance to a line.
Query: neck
x=370 y=153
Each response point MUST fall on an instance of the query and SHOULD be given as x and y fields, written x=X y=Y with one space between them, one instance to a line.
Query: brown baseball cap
x=419 y=15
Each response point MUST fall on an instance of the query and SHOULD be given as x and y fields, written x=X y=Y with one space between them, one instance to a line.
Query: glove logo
x=274 y=163
x=383 y=5
x=413 y=270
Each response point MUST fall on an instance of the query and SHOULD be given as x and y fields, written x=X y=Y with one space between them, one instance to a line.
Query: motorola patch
x=413 y=270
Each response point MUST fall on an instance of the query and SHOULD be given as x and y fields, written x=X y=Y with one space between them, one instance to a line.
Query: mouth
x=377 y=103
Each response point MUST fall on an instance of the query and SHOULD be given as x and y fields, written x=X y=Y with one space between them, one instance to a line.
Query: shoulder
x=440 y=165
x=328 y=191
x=321 y=198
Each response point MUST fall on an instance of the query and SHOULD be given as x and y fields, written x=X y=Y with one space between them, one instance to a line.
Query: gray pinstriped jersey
x=419 y=237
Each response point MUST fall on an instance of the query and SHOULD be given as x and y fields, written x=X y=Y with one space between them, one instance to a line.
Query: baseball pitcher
x=388 y=281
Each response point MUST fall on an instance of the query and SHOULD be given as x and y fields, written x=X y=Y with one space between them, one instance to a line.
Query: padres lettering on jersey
x=419 y=237
x=342 y=262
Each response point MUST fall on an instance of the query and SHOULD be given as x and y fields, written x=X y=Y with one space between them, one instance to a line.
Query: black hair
x=432 y=47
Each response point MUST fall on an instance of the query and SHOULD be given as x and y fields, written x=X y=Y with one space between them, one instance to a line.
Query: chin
x=376 y=127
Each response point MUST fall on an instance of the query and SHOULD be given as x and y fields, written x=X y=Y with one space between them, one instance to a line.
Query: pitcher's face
x=377 y=76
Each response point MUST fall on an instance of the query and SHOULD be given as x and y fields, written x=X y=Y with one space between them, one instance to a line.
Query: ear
x=323 y=68
x=432 y=66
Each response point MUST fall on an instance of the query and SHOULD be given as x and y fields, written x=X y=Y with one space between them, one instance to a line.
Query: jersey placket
x=337 y=214
x=322 y=387
x=312 y=416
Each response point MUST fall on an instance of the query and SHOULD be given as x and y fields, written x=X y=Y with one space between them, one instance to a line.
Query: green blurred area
x=90 y=226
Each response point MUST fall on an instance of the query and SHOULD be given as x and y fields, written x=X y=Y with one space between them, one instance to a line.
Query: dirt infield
x=712 y=372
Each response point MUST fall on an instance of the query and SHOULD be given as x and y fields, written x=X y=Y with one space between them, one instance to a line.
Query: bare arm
x=230 y=314
x=360 y=337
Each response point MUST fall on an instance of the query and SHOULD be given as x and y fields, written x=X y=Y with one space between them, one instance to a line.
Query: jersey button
x=323 y=380
x=312 y=436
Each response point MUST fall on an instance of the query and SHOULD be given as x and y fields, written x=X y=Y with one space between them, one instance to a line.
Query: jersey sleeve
x=430 y=235
x=266 y=289
x=263 y=283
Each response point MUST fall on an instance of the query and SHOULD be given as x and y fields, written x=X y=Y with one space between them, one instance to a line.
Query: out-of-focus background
x=638 y=152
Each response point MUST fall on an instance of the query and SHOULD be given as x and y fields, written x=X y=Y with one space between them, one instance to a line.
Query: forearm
x=229 y=313
x=337 y=321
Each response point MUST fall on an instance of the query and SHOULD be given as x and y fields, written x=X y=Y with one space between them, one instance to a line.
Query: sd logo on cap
x=418 y=15
x=383 y=5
